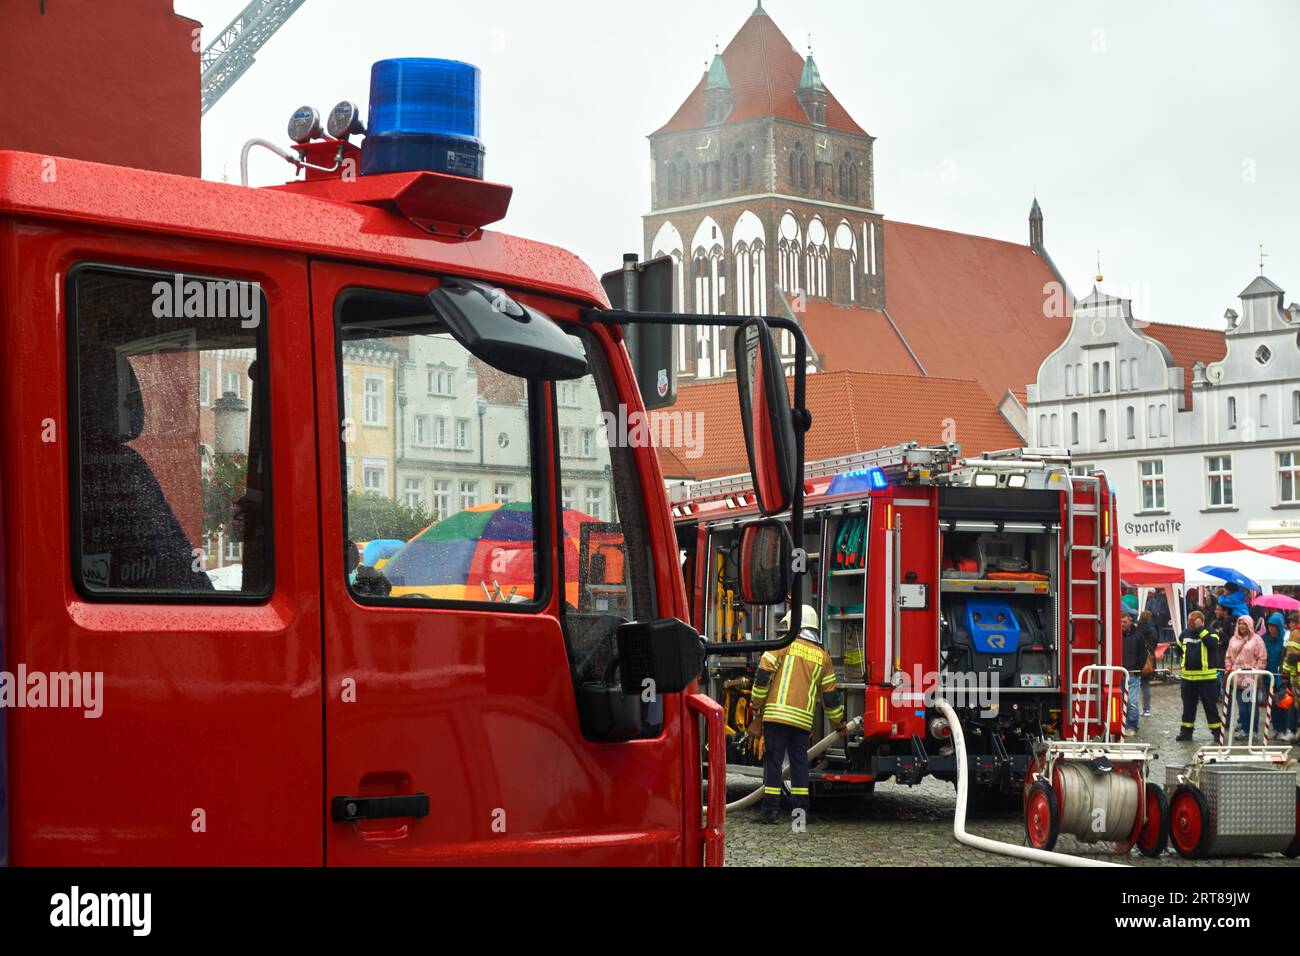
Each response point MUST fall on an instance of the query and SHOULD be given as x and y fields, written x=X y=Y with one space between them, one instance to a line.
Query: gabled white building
x=1197 y=430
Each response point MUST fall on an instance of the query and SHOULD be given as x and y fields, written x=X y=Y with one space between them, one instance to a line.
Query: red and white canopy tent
x=1218 y=542
x=1137 y=573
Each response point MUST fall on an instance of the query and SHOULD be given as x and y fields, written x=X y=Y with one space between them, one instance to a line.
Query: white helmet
x=808 y=621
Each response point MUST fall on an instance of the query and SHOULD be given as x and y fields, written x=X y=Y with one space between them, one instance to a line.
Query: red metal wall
x=111 y=81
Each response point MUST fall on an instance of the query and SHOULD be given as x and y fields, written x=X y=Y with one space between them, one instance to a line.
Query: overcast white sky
x=1165 y=134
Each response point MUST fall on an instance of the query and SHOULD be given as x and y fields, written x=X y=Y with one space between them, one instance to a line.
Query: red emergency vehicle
x=216 y=397
x=991 y=581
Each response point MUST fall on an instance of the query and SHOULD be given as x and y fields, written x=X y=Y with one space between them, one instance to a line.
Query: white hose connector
x=983 y=843
x=816 y=750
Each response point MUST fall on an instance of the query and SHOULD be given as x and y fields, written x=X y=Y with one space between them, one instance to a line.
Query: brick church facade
x=763 y=193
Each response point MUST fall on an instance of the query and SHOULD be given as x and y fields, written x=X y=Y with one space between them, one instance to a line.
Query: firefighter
x=785 y=694
x=1199 y=647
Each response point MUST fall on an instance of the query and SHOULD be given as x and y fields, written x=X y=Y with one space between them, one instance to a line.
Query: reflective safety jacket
x=790 y=680
x=1291 y=658
x=1199 y=652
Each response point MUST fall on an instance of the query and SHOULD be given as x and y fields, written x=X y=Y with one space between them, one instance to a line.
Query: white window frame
x=566 y=442
x=1157 y=482
x=205 y=387
x=1293 y=469
x=467 y=490
x=440 y=381
x=420 y=431
x=413 y=493
x=378 y=416
x=1223 y=477
x=462 y=434
x=375 y=464
x=502 y=492
x=441 y=436
x=231 y=377
x=594 y=502
x=442 y=498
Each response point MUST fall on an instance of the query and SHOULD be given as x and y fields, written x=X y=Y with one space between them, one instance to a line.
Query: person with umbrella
x=1232 y=598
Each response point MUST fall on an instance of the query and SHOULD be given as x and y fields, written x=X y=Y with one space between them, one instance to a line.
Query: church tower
x=763 y=192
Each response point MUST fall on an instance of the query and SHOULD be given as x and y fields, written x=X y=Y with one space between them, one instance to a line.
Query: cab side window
x=438 y=468
x=607 y=568
x=170 y=484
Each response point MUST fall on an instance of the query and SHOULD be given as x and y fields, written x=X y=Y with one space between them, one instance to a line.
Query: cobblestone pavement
x=912 y=826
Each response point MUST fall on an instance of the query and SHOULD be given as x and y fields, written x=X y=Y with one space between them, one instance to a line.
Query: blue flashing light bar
x=424 y=115
x=872 y=479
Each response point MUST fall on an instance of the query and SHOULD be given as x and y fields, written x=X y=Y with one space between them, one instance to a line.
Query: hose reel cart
x=1236 y=799
x=1096 y=788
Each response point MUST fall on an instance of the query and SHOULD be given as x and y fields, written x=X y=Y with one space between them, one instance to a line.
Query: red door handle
x=715 y=815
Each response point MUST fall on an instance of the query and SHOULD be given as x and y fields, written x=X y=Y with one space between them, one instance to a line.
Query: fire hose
x=816 y=750
x=983 y=843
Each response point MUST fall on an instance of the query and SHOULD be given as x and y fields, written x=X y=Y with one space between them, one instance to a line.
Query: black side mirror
x=507 y=335
x=766 y=417
x=667 y=652
x=765 y=556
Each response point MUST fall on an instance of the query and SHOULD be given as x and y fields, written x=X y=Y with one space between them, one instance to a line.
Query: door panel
x=207 y=750
x=473 y=706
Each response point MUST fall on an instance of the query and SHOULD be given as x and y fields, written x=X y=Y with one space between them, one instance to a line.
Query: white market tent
x=1266 y=569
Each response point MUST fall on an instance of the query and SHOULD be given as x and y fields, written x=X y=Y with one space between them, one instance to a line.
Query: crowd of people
x=1224 y=634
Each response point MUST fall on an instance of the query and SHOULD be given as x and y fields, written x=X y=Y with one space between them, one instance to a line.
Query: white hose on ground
x=983 y=843
x=816 y=750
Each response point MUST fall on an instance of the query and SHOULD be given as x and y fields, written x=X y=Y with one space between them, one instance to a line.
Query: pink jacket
x=1246 y=653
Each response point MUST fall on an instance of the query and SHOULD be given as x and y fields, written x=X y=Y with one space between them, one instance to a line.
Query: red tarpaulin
x=1220 y=541
x=1287 y=551
x=1135 y=572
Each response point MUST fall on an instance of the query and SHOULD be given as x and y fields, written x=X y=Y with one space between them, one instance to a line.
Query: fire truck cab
x=990 y=581
x=216 y=398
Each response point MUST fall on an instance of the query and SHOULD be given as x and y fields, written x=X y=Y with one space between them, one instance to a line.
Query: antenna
x=1099 y=276
x=1262 y=256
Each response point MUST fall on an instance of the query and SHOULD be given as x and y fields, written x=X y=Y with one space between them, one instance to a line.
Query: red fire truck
x=215 y=396
x=991 y=581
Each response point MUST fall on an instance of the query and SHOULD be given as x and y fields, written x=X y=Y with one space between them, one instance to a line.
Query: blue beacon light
x=424 y=115
x=877 y=479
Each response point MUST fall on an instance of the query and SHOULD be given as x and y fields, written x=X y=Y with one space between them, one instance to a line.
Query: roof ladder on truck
x=1086 y=576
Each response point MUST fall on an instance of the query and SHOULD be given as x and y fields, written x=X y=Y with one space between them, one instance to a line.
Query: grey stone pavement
x=912 y=826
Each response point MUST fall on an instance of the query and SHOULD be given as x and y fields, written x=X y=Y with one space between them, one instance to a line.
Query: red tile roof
x=851 y=338
x=1188 y=346
x=970 y=307
x=851 y=412
x=764 y=70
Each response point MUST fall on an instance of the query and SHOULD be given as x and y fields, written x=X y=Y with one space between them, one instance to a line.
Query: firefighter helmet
x=808 y=621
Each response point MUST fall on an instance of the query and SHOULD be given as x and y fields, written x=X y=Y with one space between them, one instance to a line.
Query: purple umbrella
x=1278 y=602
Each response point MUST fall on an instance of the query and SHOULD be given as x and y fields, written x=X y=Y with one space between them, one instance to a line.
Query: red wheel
x=1042 y=817
x=1153 y=838
x=1294 y=849
x=1030 y=772
x=1188 y=816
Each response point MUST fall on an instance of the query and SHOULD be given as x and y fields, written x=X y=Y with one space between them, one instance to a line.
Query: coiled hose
x=983 y=843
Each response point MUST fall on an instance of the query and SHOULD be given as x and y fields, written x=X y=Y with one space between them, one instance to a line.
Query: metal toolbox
x=1251 y=809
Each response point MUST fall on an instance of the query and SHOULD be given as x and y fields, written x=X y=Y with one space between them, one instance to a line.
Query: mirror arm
x=802 y=423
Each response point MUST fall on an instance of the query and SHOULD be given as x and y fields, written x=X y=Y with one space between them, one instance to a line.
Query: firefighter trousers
x=780 y=740
x=1205 y=693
